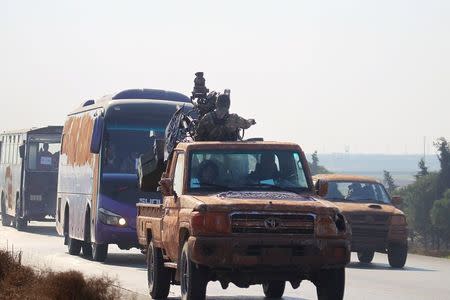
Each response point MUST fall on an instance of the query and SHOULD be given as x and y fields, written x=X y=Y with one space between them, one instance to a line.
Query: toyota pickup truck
x=377 y=225
x=243 y=213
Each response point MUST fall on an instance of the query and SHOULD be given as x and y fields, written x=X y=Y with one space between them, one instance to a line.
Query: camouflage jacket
x=211 y=128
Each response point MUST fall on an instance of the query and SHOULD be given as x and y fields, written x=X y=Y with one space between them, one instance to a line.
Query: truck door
x=170 y=230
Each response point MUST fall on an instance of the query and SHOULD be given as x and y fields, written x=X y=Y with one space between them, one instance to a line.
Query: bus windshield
x=130 y=131
x=43 y=153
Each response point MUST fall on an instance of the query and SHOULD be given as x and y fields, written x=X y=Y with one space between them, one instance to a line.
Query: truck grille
x=377 y=232
x=368 y=218
x=272 y=223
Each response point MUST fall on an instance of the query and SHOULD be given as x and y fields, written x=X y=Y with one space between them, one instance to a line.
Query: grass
x=22 y=282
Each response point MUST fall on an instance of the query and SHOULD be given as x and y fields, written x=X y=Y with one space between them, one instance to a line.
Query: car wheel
x=397 y=255
x=99 y=252
x=274 y=289
x=330 y=284
x=193 y=277
x=158 y=276
x=366 y=256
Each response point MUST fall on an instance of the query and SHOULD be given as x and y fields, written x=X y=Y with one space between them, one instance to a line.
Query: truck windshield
x=43 y=153
x=357 y=192
x=256 y=170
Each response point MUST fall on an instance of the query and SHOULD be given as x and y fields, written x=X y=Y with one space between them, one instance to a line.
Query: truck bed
x=148 y=222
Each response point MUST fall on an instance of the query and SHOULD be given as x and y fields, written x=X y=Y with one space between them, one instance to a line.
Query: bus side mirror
x=22 y=151
x=97 y=132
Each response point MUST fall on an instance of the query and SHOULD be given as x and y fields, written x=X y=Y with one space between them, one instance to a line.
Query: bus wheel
x=99 y=252
x=5 y=219
x=73 y=245
x=21 y=224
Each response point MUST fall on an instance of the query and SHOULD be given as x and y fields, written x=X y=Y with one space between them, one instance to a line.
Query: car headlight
x=398 y=220
x=109 y=218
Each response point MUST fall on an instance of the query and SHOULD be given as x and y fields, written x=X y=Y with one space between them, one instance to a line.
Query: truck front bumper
x=274 y=252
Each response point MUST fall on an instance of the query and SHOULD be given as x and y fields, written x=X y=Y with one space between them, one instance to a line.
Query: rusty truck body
x=28 y=174
x=377 y=225
x=243 y=213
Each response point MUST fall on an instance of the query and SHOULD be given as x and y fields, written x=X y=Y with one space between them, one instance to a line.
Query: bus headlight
x=109 y=218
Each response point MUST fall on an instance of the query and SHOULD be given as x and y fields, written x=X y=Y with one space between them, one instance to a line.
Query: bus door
x=41 y=175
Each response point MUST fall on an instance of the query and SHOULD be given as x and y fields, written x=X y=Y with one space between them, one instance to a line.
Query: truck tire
x=99 y=252
x=73 y=245
x=274 y=289
x=158 y=276
x=397 y=255
x=330 y=284
x=20 y=224
x=193 y=278
x=5 y=218
x=366 y=256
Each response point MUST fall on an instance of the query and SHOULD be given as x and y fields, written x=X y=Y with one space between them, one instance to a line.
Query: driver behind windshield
x=266 y=169
x=207 y=173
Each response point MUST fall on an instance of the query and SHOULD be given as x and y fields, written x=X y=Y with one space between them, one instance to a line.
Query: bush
x=21 y=282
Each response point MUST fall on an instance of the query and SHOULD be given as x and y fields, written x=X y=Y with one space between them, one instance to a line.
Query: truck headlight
x=325 y=226
x=210 y=223
x=109 y=218
x=398 y=220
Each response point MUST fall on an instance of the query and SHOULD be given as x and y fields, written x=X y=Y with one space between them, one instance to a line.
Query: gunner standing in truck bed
x=220 y=125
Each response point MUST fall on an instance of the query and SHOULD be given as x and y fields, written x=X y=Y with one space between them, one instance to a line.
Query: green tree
x=418 y=199
x=423 y=169
x=389 y=182
x=440 y=217
x=315 y=167
x=444 y=158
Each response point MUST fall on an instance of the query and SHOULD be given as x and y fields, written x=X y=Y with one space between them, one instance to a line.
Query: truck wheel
x=397 y=255
x=366 y=256
x=274 y=289
x=158 y=276
x=330 y=284
x=5 y=219
x=99 y=252
x=73 y=245
x=193 y=277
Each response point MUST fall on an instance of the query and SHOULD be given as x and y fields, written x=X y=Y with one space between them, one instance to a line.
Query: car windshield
x=256 y=170
x=357 y=192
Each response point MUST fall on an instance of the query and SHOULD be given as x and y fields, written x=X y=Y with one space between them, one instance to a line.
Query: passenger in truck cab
x=266 y=169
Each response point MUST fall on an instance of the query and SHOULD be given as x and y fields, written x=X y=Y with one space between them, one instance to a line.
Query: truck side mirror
x=22 y=151
x=322 y=189
x=397 y=200
x=96 y=140
x=166 y=186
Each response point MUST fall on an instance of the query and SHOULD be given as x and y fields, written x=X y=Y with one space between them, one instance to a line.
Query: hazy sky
x=370 y=75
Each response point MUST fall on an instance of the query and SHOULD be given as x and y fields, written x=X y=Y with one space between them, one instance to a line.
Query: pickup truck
x=243 y=213
x=377 y=225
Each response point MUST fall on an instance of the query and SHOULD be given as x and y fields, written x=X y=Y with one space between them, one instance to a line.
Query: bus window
x=43 y=156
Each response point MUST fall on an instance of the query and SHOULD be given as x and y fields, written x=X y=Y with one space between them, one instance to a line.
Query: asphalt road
x=422 y=278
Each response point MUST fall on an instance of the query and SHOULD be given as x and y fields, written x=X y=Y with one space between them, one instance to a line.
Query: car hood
x=377 y=208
